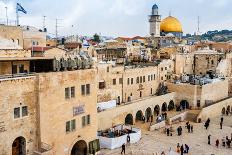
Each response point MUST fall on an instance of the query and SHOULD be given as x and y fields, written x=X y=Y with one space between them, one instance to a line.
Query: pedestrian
x=182 y=150
x=209 y=139
x=123 y=149
x=186 y=148
x=222 y=119
x=168 y=131
x=217 y=143
x=223 y=142
x=178 y=148
x=191 y=128
x=220 y=125
x=180 y=130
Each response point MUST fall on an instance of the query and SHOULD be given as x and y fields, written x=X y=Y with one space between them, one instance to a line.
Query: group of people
x=182 y=149
x=161 y=117
x=179 y=131
x=225 y=141
x=189 y=127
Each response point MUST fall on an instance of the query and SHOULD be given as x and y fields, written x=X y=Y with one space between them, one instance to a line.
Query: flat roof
x=24 y=58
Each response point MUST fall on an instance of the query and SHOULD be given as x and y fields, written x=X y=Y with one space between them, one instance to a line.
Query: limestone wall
x=214 y=110
x=18 y=92
x=109 y=118
x=55 y=110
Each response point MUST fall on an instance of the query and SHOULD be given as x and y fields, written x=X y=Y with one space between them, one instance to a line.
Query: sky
x=118 y=17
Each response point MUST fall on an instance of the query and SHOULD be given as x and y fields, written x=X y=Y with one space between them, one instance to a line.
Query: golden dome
x=170 y=24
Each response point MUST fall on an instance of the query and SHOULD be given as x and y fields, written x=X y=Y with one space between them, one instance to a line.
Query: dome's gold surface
x=170 y=24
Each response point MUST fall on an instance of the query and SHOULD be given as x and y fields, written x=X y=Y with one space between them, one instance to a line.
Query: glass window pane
x=24 y=111
x=67 y=93
x=72 y=92
x=16 y=112
x=88 y=89
x=68 y=126
x=82 y=89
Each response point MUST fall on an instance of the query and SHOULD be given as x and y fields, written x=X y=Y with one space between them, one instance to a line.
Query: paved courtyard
x=154 y=142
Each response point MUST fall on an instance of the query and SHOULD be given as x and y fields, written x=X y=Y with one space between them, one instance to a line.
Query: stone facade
x=18 y=93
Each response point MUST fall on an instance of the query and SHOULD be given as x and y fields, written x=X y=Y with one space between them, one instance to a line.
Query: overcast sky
x=119 y=17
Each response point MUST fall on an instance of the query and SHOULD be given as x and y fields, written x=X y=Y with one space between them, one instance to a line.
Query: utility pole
x=6 y=15
x=198 y=25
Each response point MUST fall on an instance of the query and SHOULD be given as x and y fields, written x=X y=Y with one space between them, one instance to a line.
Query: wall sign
x=78 y=110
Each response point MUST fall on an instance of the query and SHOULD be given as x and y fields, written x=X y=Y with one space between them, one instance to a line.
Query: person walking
x=191 y=128
x=217 y=143
x=220 y=125
x=123 y=149
x=178 y=148
x=209 y=139
x=182 y=150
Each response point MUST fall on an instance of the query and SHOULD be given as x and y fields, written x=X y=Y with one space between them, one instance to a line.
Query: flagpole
x=17 y=16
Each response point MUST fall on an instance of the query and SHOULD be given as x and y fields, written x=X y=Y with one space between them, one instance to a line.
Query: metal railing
x=10 y=76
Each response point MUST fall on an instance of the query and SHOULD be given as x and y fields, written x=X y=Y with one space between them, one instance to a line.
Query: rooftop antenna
x=56 y=28
x=198 y=25
x=44 y=22
x=6 y=15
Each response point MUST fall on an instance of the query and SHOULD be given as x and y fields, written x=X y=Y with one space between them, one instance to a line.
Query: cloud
x=118 y=17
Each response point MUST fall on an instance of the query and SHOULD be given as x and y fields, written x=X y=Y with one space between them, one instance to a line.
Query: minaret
x=155 y=20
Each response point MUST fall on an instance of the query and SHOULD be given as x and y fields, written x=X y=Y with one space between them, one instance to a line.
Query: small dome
x=154 y=6
x=170 y=24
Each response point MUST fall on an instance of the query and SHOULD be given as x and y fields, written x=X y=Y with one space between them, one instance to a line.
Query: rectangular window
x=149 y=77
x=21 y=68
x=108 y=69
x=165 y=68
x=16 y=112
x=114 y=81
x=88 y=89
x=88 y=119
x=24 y=111
x=137 y=81
x=162 y=69
x=132 y=80
x=120 y=81
x=141 y=79
x=68 y=126
x=144 y=80
x=67 y=93
x=128 y=81
x=101 y=85
x=154 y=76
x=83 y=121
x=72 y=92
x=82 y=89
x=73 y=125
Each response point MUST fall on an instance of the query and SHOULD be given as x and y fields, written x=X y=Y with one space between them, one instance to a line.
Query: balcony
x=12 y=76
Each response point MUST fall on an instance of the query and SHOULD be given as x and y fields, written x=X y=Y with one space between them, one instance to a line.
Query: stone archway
x=171 y=105
x=157 y=110
x=79 y=148
x=223 y=111
x=129 y=119
x=148 y=113
x=164 y=107
x=19 y=146
x=228 y=108
x=139 y=116
x=184 y=104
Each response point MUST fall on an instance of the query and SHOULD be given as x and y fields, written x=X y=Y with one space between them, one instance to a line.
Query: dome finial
x=170 y=13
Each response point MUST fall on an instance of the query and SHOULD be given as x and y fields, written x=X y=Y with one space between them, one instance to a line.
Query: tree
x=96 y=38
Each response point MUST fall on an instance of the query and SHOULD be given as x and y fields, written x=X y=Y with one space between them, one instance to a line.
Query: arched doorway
x=164 y=107
x=129 y=119
x=184 y=104
x=139 y=116
x=148 y=113
x=171 y=105
x=157 y=110
x=19 y=146
x=228 y=108
x=223 y=111
x=80 y=148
